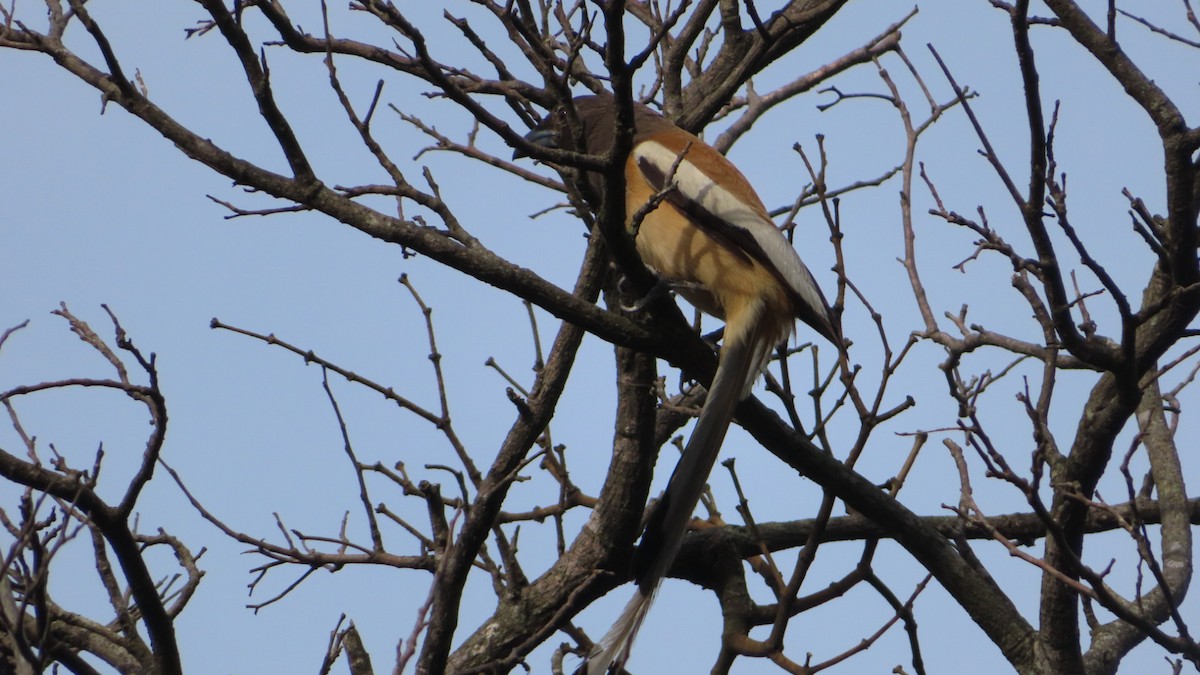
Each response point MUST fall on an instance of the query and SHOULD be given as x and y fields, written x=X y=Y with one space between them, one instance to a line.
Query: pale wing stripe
x=695 y=185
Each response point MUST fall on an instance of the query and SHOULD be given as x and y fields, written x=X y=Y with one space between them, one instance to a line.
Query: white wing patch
x=695 y=186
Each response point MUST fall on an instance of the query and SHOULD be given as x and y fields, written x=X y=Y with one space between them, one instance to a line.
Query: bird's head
x=554 y=131
x=596 y=115
x=549 y=133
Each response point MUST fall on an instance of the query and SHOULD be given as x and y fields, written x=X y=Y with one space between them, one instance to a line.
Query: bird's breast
x=681 y=251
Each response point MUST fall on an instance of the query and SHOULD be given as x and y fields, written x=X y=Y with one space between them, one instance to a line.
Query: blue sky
x=100 y=209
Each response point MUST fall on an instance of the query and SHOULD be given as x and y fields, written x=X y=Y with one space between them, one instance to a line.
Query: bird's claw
x=661 y=287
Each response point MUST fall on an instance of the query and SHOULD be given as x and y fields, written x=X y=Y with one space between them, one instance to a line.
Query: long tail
x=740 y=362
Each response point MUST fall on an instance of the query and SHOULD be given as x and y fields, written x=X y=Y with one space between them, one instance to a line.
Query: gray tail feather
x=614 y=647
x=668 y=522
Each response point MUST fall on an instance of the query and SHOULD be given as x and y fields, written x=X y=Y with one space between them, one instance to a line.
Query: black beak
x=546 y=138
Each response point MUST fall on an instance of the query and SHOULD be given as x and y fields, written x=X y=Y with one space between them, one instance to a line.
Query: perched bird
x=710 y=236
